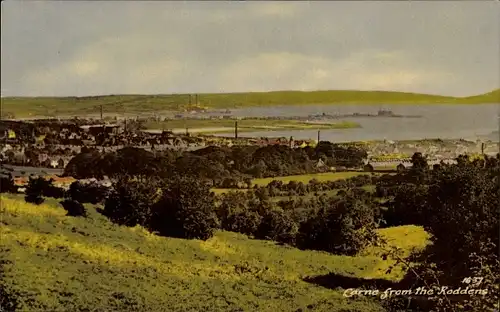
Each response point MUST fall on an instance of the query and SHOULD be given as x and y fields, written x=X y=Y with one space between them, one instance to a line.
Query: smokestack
x=482 y=148
x=101 y=112
x=236 y=129
x=319 y=135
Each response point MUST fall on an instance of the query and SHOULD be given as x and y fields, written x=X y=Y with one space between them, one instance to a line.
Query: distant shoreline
x=138 y=104
x=244 y=126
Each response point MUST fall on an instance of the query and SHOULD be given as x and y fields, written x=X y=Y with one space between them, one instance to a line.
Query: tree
x=87 y=193
x=461 y=215
x=462 y=211
x=131 y=201
x=278 y=226
x=74 y=208
x=341 y=226
x=419 y=162
x=186 y=209
x=7 y=184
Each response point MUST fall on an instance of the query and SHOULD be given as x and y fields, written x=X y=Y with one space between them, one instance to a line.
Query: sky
x=81 y=48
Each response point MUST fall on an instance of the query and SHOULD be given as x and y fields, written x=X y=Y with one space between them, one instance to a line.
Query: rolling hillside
x=134 y=104
x=490 y=97
x=87 y=264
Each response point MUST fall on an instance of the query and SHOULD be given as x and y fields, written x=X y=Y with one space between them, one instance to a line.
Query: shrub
x=34 y=199
x=7 y=184
x=342 y=226
x=130 y=202
x=88 y=193
x=74 y=208
x=231 y=204
x=54 y=192
x=185 y=210
x=42 y=187
x=245 y=222
x=278 y=226
x=34 y=190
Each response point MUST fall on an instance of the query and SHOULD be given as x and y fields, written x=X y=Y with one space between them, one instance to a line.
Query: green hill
x=135 y=104
x=490 y=97
x=57 y=262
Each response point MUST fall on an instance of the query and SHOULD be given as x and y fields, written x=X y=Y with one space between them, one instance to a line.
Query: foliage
x=87 y=193
x=459 y=208
x=462 y=212
x=74 y=208
x=186 y=210
x=342 y=226
x=278 y=226
x=181 y=207
x=217 y=166
x=91 y=264
x=7 y=184
x=84 y=165
x=245 y=222
x=130 y=201
x=36 y=199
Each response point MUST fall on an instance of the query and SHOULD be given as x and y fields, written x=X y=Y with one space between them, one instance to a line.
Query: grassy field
x=60 y=262
x=135 y=104
x=308 y=196
x=247 y=125
x=305 y=178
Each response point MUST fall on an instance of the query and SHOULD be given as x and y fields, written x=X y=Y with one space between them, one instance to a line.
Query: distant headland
x=78 y=106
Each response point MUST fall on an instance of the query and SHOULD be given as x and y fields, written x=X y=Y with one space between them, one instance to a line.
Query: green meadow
x=56 y=262
x=135 y=104
x=305 y=178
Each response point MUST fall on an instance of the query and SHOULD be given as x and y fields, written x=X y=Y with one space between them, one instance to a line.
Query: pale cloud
x=85 y=68
x=83 y=47
x=282 y=9
x=99 y=64
x=367 y=70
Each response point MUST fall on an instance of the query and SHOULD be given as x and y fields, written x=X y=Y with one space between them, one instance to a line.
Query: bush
x=54 y=192
x=34 y=199
x=183 y=207
x=130 y=202
x=42 y=187
x=278 y=226
x=461 y=215
x=407 y=206
x=88 y=193
x=245 y=222
x=7 y=184
x=342 y=226
x=185 y=210
x=74 y=208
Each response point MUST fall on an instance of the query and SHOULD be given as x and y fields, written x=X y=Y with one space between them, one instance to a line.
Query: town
x=241 y=156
